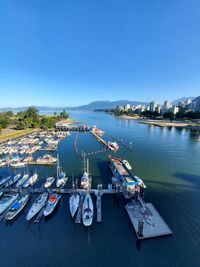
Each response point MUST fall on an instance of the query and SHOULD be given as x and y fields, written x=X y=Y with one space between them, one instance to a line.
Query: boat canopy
x=132 y=183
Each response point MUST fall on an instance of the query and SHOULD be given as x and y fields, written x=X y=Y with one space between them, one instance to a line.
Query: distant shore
x=126 y=117
x=164 y=123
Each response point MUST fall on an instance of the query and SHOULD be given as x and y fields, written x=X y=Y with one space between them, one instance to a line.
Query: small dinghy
x=12 y=180
x=37 y=206
x=16 y=207
x=87 y=210
x=74 y=203
x=31 y=181
x=22 y=180
x=127 y=165
x=6 y=201
x=51 y=204
x=49 y=182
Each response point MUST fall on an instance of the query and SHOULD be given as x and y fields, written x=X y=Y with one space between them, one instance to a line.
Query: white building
x=153 y=105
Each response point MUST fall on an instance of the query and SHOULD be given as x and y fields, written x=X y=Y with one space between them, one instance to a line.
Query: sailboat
x=85 y=180
x=87 y=210
x=61 y=176
x=16 y=207
x=74 y=203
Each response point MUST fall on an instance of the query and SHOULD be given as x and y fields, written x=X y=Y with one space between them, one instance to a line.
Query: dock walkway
x=153 y=224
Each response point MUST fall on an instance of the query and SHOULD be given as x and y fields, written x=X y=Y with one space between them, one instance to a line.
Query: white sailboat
x=12 y=180
x=87 y=210
x=85 y=180
x=31 y=180
x=16 y=207
x=37 y=206
x=74 y=203
x=61 y=177
x=51 y=204
x=6 y=201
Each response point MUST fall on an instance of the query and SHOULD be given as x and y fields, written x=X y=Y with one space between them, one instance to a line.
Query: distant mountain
x=108 y=104
x=90 y=106
x=182 y=99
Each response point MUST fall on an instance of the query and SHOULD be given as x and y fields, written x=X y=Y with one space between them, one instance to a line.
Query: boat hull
x=87 y=210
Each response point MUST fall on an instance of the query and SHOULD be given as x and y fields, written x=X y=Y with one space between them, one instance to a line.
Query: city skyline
x=73 y=53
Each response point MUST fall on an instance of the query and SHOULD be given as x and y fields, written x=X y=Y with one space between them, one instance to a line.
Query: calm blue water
x=168 y=160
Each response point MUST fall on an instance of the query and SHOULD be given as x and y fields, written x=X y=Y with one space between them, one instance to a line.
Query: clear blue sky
x=71 y=52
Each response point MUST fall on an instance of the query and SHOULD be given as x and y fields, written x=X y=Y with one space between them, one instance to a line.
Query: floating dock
x=147 y=222
x=98 y=205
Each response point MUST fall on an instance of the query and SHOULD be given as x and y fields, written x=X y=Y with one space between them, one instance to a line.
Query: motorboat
x=6 y=201
x=37 y=206
x=74 y=203
x=51 y=204
x=61 y=180
x=12 y=180
x=87 y=210
x=22 y=180
x=31 y=180
x=16 y=207
x=127 y=164
x=49 y=182
x=18 y=164
x=3 y=164
x=4 y=180
x=113 y=145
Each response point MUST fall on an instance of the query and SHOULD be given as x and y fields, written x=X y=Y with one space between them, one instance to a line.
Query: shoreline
x=177 y=124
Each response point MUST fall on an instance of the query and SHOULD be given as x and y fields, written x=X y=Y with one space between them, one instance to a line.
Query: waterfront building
x=158 y=109
x=153 y=105
x=196 y=104
x=166 y=104
x=174 y=110
x=120 y=108
x=127 y=107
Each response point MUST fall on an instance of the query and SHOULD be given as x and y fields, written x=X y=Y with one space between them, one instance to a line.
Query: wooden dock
x=98 y=206
x=100 y=139
x=147 y=222
x=79 y=212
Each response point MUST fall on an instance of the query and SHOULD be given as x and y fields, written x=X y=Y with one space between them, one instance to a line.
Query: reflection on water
x=168 y=161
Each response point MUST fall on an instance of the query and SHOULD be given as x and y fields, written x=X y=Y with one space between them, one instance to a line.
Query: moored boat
x=31 y=180
x=85 y=180
x=18 y=164
x=87 y=210
x=4 y=180
x=37 y=206
x=6 y=201
x=3 y=164
x=22 y=180
x=74 y=203
x=12 y=180
x=49 y=182
x=16 y=207
x=128 y=182
x=127 y=164
x=113 y=145
x=51 y=204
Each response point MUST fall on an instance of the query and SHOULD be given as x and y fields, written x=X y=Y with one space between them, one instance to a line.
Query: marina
x=81 y=203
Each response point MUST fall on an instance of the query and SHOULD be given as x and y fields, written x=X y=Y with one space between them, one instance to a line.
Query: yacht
x=87 y=210
x=51 y=204
x=49 y=182
x=61 y=177
x=113 y=146
x=37 y=206
x=85 y=180
x=31 y=180
x=16 y=207
x=6 y=201
x=74 y=203
x=12 y=180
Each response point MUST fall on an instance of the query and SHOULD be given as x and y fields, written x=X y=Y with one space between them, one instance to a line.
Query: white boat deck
x=154 y=225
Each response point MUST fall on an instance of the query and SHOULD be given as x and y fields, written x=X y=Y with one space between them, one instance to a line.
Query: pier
x=147 y=222
x=100 y=139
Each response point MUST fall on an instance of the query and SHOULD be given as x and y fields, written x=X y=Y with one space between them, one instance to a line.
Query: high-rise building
x=174 y=110
x=153 y=105
x=196 y=104
x=166 y=104
x=127 y=107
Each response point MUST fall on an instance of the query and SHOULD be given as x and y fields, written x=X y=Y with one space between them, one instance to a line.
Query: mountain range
x=93 y=105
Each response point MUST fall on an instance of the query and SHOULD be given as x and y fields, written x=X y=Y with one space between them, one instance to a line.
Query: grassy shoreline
x=16 y=134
